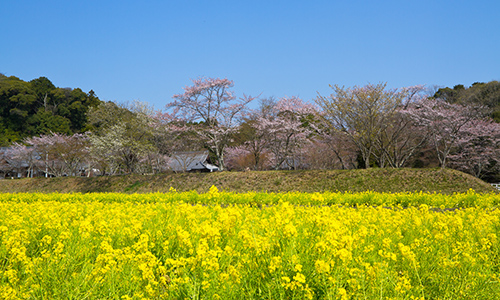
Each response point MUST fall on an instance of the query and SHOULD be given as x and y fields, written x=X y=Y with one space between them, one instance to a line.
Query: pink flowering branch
x=444 y=122
x=210 y=102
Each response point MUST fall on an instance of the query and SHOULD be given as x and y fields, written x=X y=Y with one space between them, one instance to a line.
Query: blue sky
x=149 y=50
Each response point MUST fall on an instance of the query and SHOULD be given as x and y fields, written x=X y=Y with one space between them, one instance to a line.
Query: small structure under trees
x=11 y=167
x=191 y=161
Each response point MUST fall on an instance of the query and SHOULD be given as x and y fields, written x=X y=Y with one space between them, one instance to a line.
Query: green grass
x=379 y=180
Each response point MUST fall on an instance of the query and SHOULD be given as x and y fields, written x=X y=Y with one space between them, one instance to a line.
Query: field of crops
x=249 y=246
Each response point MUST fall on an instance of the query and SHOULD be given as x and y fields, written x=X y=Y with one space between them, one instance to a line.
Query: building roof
x=6 y=159
x=191 y=161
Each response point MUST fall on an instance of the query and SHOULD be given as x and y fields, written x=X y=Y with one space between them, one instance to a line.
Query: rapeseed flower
x=167 y=246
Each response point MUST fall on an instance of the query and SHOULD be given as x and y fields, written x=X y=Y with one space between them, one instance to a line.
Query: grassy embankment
x=379 y=180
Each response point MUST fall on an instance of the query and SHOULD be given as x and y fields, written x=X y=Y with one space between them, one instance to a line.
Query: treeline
x=38 y=107
x=354 y=127
x=487 y=94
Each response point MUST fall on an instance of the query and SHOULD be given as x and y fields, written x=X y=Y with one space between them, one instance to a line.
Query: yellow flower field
x=277 y=246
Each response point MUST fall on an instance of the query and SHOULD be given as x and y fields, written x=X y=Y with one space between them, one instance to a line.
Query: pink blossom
x=210 y=102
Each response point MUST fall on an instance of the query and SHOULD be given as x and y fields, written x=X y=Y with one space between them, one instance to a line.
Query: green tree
x=16 y=104
x=45 y=122
x=479 y=93
x=39 y=107
x=121 y=138
x=42 y=87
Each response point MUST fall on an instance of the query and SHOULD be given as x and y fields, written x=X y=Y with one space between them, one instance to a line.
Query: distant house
x=28 y=165
x=11 y=168
x=191 y=161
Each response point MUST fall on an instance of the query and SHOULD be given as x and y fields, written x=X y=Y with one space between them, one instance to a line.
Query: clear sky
x=149 y=50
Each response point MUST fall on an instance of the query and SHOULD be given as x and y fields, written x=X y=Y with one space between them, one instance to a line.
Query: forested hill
x=487 y=94
x=39 y=107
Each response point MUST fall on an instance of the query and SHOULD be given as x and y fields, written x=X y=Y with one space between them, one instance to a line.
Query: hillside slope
x=380 y=180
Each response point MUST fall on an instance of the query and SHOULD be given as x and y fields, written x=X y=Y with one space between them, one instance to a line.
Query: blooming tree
x=211 y=104
x=106 y=149
x=20 y=156
x=122 y=138
x=251 y=144
x=478 y=148
x=284 y=130
x=445 y=123
x=119 y=150
x=55 y=154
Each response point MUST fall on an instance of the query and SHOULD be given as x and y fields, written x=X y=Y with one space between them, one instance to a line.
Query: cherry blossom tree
x=478 y=148
x=284 y=130
x=56 y=154
x=171 y=135
x=112 y=151
x=5 y=166
x=445 y=123
x=210 y=103
x=250 y=145
x=399 y=141
x=242 y=158
x=20 y=156
x=120 y=150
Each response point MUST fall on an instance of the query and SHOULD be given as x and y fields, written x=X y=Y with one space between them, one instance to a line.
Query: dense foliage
x=38 y=107
x=487 y=94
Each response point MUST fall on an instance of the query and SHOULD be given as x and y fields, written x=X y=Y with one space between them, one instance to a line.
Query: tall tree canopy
x=39 y=107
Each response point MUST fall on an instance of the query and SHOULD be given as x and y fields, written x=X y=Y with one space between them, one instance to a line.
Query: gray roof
x=191 y=161
x=17 y=163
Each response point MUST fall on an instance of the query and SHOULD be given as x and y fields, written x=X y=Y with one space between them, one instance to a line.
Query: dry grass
x=380 y=180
